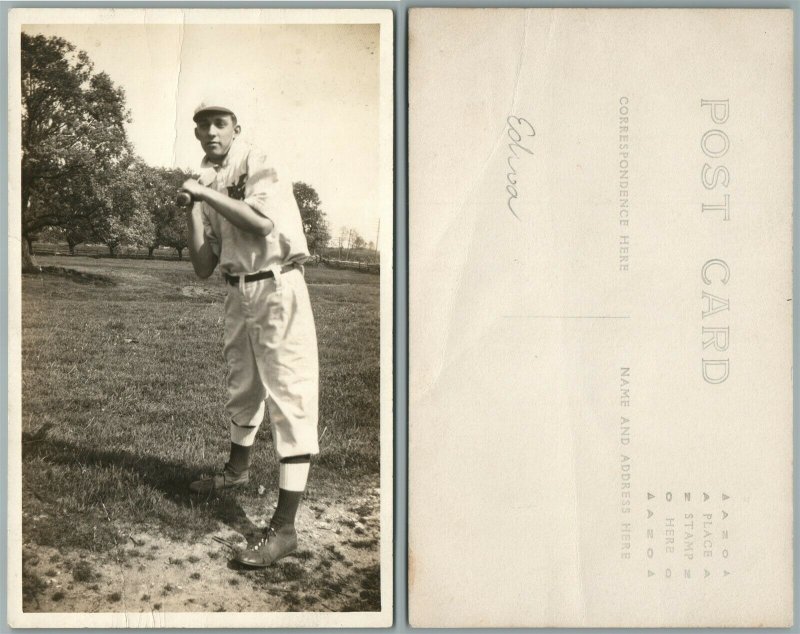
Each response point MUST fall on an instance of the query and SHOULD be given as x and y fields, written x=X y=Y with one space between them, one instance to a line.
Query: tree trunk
x=112 y=250
x=150 y=252
x=29 y=264
x=71 y=247
x=180 y=253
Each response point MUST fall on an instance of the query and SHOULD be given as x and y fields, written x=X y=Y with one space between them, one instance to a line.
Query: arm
x=204 y=260
x=237 y=212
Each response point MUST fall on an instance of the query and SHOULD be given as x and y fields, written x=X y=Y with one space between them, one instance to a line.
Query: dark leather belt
x=233 y=280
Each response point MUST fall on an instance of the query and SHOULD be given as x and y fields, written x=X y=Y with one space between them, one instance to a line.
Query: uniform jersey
x=246 y=174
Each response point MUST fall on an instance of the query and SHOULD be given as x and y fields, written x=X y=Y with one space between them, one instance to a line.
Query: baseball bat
x=184 y=199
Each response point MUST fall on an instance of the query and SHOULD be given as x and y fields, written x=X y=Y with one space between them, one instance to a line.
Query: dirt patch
x=195 y=291
x=335 y=569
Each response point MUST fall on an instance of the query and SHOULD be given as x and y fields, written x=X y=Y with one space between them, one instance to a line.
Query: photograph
x=200 y=318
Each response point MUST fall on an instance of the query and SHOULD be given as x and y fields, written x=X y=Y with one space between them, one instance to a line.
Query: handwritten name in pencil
x=520 y=131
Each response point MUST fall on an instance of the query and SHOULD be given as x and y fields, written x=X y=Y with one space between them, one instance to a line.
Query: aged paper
x=102 y=529
x=600 y=318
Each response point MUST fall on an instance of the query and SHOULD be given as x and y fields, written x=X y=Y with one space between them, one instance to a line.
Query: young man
x=245 y=219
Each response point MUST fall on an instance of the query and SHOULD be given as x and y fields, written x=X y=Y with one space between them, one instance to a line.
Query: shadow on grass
x=191 y=516
x=72 y=274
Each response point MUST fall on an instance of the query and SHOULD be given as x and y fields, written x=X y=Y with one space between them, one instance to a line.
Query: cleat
x=273 y=546
x=228 y=479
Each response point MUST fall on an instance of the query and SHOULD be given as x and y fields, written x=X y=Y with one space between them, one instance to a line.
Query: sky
x=306 y=94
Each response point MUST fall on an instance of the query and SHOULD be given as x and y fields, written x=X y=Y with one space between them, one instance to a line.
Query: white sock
x=244 y=436
x=293 y=476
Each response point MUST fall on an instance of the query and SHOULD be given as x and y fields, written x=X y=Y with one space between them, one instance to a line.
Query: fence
x=365 y=267
x=101 y=251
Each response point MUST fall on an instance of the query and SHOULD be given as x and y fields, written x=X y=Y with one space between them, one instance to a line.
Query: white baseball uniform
x=270 y=338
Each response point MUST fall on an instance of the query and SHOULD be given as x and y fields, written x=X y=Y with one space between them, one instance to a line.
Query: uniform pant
x=271 y=353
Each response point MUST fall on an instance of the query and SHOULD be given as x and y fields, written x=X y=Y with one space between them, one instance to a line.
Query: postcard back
x=600 y=317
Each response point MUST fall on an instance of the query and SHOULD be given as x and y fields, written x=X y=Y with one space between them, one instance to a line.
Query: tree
x=75 y=236
x=173 y=234
x=341 y=241
x=72 y=129
x=56 y=235
x=354 y=240
x=169 y=221
x=358 y=241
x=343 y=236
x=122 y=197
x=315 y=224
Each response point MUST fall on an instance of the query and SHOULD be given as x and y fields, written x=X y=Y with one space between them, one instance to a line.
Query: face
x=216 y=132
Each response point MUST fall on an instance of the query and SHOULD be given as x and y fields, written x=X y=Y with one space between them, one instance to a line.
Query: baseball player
x=245 y=219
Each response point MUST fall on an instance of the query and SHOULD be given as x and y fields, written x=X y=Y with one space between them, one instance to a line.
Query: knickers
x=271 y=353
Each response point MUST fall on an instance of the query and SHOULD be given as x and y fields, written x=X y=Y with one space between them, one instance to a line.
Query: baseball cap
x=214 y=104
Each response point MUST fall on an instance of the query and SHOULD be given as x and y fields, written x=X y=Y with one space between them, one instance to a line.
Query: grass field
x=123 y=393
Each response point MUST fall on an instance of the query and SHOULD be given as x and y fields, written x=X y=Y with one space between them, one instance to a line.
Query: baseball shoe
x=227 y=479
x=274 y=545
